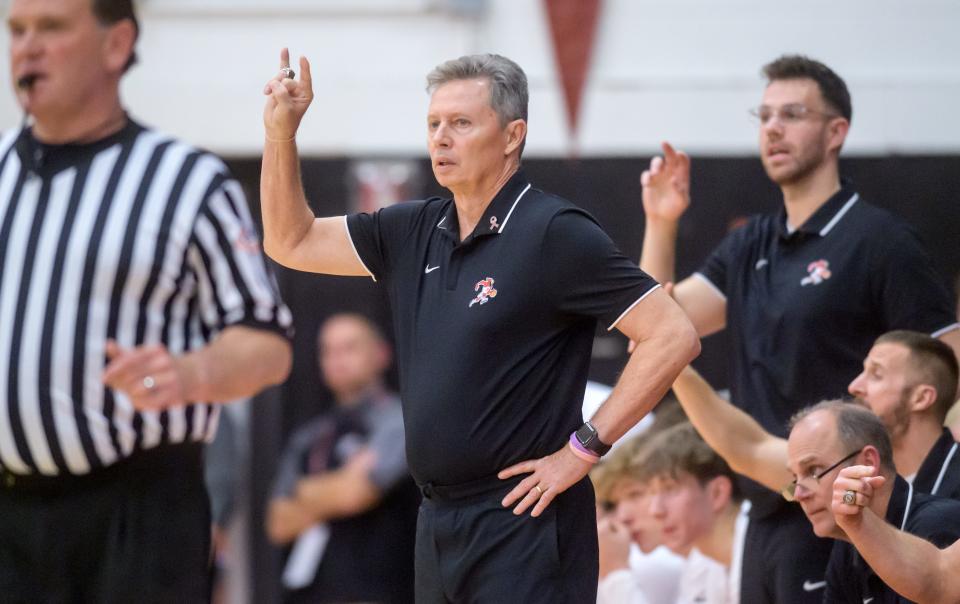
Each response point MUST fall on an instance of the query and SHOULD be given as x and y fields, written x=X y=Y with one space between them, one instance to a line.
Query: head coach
x=495 y=294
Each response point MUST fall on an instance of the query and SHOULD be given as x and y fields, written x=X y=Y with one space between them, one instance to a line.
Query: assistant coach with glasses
x=133 y=298
x=803 y=292
x=495 y=296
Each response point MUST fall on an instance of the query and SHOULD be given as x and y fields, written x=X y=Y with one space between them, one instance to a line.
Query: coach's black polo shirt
x=804 y=307
x=494 y=332
x=939 y=474
x=850 y=578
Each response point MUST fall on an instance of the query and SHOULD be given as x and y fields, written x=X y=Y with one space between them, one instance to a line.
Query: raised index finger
x=669 y=152
x=284 y=58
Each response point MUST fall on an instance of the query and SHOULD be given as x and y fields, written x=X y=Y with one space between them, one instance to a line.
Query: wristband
x=580 y=452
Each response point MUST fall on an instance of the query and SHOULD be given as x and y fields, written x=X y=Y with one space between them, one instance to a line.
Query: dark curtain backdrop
x=925 y=191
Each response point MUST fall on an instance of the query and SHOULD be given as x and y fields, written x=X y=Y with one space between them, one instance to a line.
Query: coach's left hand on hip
x=549 y=476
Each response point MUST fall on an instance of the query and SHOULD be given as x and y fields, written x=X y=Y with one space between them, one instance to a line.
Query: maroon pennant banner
x=573 y=26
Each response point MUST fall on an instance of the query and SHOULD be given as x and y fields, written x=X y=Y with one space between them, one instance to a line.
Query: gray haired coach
x=495 y=296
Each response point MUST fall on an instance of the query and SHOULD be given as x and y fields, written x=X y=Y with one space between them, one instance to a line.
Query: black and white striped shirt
x=139 y=238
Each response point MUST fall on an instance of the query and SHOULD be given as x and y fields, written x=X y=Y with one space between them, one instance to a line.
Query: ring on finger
x=539 y=490
x=850 y=497
x=287 y=73
x=149 y=383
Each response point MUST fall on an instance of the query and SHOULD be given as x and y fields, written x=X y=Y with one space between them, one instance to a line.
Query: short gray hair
x=857 y=427
x=508 y=84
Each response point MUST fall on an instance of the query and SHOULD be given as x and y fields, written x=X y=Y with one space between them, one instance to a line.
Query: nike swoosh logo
x=429 y=269
x=811 y=586
x=868 y=600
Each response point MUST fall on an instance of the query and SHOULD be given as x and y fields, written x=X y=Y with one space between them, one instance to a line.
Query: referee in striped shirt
x=133 y=298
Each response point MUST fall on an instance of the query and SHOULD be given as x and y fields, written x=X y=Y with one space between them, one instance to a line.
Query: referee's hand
x=549 y=476
x=148 y=375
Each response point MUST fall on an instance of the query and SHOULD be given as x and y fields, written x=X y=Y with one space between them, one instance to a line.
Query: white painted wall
x=683 y=69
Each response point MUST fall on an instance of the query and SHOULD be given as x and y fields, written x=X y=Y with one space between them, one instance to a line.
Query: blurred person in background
x=635 y=567
x=692 y=495
x=343 y=497
x=227 y=473
x=496 y=294
x=803 y=291
x=134 y=299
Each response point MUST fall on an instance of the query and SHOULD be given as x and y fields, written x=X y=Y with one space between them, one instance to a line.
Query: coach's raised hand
x=287 y=100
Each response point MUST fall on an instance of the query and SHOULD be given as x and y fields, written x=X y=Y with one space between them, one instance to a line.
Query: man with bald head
x=835 y=434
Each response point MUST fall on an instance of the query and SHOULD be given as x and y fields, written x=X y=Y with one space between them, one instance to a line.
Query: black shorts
x=137 y=531
x=472 y=549
x=784 y=562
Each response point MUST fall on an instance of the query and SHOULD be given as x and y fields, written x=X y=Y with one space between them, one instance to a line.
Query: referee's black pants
x=137 y=531
x=470 y=549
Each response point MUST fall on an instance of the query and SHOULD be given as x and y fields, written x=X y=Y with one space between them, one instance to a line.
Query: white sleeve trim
x=354 y=248
x=944 y=330
x=629 y=308
x=713 y=287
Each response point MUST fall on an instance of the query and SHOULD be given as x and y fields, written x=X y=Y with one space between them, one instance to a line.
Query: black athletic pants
x=471 y=549
x=137 y=531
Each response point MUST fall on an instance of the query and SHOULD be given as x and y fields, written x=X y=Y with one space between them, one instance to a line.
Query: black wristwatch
x=588 y=437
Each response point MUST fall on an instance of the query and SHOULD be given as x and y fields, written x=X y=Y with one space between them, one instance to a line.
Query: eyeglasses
x=811 y=482
x=791 y=113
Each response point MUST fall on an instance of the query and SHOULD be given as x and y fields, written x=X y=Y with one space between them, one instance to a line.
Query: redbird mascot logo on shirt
x=485 y=287
x=819 y=272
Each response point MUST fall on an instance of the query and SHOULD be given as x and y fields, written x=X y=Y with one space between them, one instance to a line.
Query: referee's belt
x=180 y=457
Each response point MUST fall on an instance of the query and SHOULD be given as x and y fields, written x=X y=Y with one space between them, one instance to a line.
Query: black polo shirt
x=804 y=308
x=939 y=474
x=850 y=578
x=494 y=332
